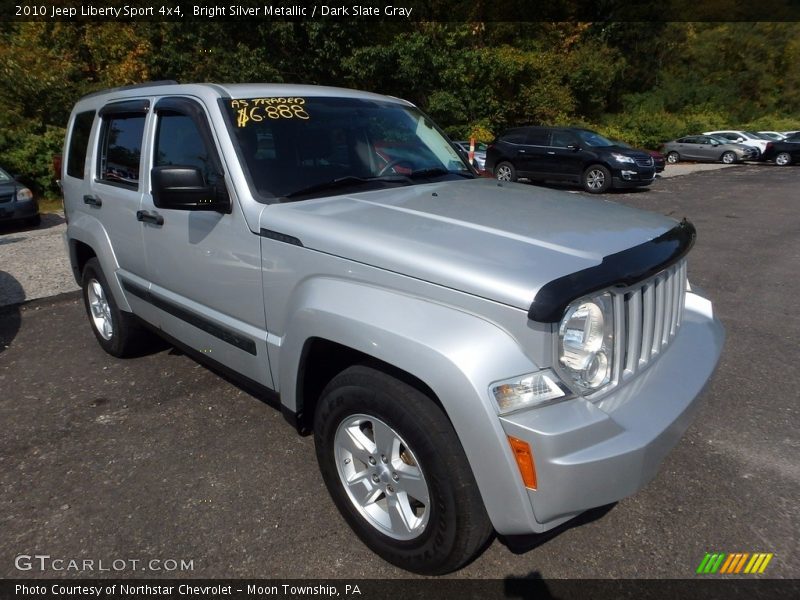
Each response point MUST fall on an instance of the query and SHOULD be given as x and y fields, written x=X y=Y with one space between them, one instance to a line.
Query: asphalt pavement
x=157 y=458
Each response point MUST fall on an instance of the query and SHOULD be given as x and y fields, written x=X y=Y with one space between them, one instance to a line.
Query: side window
x=78 y=143
x=515 y=137
x=121 y=149
x=562 y=139
x=538 y=137
x=179 y=143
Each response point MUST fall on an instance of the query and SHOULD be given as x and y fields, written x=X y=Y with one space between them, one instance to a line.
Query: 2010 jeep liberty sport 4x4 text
x=471 y=355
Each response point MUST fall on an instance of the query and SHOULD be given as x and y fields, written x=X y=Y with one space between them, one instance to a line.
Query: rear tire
x=783 y=159
x=673 y=158
x=397 y=472
x=117 y=332
x=505 y=171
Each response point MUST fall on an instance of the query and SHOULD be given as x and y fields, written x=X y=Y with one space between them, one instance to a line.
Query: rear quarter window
x=79 y=143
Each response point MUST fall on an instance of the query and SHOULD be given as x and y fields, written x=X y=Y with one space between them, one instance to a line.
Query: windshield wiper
x=436 y=171
x=344 y=182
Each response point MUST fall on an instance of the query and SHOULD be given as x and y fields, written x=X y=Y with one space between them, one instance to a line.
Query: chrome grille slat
x=648 y=314
x=634 y=332
x=658 y=317
x=668 y=295
x=647 y=317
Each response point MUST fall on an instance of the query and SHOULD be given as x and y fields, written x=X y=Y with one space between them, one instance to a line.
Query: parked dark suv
x=568 y=154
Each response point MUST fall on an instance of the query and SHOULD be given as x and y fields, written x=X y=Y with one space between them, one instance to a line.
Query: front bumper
x=633 y=176
x=589 y=454
x=17 y=210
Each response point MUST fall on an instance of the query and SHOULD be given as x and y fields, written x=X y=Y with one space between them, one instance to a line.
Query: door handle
x=92 y=201
x=550 y=152
x=149 y=217
x=522 y=151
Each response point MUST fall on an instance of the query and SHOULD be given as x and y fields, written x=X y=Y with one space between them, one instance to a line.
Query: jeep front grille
x=648 y=316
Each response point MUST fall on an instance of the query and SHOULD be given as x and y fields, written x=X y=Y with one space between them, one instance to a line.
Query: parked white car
x=748 y=138
x=775 y=136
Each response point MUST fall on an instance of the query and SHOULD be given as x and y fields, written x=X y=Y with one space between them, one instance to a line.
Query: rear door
x=563 y=155
x=689 y=147
x=204 y=266
x=113 y=191
x=539 y=163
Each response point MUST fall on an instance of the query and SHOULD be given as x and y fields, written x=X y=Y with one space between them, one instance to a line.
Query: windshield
x=299 y=147
x=590 y=138
x=4 y=177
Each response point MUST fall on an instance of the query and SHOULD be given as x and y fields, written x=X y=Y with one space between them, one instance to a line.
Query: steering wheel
x=393 y=163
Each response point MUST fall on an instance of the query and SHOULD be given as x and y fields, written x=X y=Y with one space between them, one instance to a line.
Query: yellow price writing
x=259 y=109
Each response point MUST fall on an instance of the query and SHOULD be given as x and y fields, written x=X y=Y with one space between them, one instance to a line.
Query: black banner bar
x=523 y=588
x=367 y=11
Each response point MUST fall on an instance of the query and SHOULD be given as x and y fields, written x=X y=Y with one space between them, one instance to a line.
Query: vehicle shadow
x=520 y=544
x=572 y=187
x=48 y=220
x=11 y=296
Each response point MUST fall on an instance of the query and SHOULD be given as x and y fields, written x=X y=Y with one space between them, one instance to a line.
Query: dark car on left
x=17 y=202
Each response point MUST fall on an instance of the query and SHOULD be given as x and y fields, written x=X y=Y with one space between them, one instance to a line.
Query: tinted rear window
x=121 y=149
x=78 y=143
x=514 y=137
x=539 y=137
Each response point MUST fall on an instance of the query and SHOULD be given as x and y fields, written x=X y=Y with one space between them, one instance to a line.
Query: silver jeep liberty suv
x=472 y=356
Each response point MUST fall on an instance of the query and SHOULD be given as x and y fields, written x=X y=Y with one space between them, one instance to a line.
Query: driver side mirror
x=185 y=188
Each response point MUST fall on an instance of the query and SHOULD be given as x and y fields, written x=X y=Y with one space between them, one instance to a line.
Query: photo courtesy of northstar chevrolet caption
x=473 y=357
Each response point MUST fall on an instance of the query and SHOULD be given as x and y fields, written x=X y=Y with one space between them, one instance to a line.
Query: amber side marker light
x=524 y=456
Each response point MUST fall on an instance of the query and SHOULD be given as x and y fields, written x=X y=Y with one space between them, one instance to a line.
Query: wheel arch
x=86 y=238
x=449 y=355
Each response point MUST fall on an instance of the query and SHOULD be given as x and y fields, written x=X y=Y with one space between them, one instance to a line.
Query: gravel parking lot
x=159 y=458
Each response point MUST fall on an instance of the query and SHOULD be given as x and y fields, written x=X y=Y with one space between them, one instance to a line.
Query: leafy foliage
x=644 y=82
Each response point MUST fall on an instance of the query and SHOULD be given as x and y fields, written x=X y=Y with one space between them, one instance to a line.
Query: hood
x=632 y=152
x=498 y=241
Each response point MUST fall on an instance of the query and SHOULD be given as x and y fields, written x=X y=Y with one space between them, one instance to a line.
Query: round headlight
x=586 y=342
x=24 y=194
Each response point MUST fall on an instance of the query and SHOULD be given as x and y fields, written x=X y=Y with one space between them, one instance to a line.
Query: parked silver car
x=471 y=356
x=748 y=138
x=707 y=148
x=479 y=157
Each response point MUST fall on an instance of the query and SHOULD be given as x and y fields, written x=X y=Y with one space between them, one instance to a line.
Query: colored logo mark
x=738 y=562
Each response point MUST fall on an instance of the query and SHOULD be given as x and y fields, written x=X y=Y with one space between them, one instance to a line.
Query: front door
x=204 y=266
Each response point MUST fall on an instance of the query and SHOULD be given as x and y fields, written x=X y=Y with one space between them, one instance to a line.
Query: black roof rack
x=132 y=87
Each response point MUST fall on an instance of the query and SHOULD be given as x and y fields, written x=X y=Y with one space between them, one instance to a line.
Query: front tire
x=397 y=473
x=783 y=159
x=596 y=179
x=116 y=331
x=728 y=158
x=505 y=171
